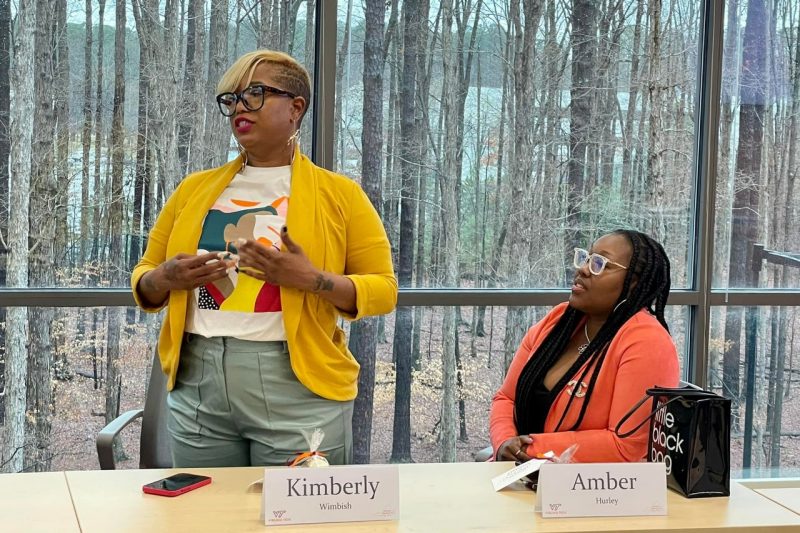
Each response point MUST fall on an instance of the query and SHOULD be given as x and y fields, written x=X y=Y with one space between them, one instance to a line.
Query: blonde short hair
x=290 y=74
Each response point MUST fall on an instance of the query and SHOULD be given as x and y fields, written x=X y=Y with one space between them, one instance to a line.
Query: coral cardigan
x=641 y=355
x=334 y=222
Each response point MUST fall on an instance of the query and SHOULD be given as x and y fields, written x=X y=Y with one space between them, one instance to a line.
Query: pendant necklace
x=582 y=347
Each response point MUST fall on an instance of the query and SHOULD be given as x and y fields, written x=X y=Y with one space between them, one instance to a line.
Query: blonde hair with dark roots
x=287 y=72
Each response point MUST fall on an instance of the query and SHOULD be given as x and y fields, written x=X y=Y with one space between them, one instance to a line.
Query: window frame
x=700 y=297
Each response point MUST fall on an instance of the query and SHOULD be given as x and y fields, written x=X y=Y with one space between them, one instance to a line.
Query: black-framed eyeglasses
x=252 y=97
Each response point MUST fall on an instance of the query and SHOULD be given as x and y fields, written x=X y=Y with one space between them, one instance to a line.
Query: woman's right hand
x=513 y=449
x=182 y=272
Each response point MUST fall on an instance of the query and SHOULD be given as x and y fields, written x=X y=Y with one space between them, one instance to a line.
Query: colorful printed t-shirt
x=253 y=206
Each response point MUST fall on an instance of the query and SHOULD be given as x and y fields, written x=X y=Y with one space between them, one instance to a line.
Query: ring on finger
x=516 y=454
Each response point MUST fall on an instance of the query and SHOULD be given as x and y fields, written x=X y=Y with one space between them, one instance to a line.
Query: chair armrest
x=481 y=456
x=105 y=439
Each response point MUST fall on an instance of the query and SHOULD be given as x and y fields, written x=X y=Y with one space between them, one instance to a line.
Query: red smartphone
x=176 y=484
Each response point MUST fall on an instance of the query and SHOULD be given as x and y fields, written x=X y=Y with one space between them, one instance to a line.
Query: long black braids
x=646 y=285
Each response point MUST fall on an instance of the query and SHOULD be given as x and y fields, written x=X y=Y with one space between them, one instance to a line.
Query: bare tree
x=86 y=136
x=655 y=147
x=421 y=126
x=42 y=236
x=744 y=214
x=584 y=50
x=341 y=59
x=97 y=201
x=518 y=318
x=16 y=368
x=5 y=147
x=449 y=234
x=217 y=134
x=116 y=256
x=402 y=349
x=193 y=103
x=62 y=132
x=363 y=334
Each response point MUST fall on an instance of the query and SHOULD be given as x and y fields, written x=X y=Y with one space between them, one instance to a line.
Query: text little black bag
x=690 y=431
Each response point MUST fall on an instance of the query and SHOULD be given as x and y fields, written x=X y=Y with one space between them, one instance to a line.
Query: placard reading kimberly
x=334 y=494
x=603 y=489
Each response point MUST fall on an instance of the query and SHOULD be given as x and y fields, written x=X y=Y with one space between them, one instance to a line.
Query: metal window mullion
x=709 y=77
x=324 y=83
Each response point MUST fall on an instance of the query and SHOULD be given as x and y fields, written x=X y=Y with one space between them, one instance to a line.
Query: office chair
x=153 y=442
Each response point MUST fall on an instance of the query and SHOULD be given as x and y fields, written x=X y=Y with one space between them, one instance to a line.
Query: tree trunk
x=99 y=120
x=584 y=50
x=217 y=134
x=21 y=115
x=341 y=59
x=745 y=223
x=655 y=143
x=403 y=328
x=363 y=334
x=519 y=234
x=502 y=231
x=86 y=137
x=421 y=126
x=63 y=173
x=142 y=189
x=190 y=129
x=5 y=147
x=744 y=216
x=113 y=375
x=42 y=236
x=449 y=234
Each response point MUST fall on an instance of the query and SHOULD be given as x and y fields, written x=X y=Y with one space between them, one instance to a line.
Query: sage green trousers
x=239 y=403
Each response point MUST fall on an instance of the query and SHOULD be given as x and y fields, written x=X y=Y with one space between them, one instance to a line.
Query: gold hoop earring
x=293 y=137
x=243 y=153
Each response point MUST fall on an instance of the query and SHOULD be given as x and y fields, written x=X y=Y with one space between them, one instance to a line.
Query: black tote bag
x=690 y=432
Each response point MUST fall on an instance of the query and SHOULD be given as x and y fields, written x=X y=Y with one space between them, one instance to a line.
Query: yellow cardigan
x=339 y=230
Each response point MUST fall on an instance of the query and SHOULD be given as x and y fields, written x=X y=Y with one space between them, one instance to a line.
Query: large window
x=84 y=395
x=759 y=371
x=493 y=136
x=512 y=136
x=752 y=349
x=89 y=212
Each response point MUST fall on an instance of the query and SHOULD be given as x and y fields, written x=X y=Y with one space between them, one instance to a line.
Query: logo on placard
x=555 y=507
x=279 y=514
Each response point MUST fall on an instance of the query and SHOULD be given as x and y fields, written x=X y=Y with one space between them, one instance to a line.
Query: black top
x=540 y=406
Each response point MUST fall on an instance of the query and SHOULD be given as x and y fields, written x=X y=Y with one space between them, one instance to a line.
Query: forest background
x=493 y=136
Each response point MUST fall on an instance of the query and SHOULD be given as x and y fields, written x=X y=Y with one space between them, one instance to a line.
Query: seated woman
x=586 y=363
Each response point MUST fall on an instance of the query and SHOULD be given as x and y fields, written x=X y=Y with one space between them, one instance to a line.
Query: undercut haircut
x=287 y=72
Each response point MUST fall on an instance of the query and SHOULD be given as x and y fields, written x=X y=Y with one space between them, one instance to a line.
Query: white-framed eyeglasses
x=597 y=263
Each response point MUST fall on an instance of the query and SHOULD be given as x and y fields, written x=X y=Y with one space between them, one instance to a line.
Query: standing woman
x=256 y=260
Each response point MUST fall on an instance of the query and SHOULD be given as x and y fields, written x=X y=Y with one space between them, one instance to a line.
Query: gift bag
x=690 y=431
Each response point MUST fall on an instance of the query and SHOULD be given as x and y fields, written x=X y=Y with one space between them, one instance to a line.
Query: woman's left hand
x=513 y=449
x=291 y=268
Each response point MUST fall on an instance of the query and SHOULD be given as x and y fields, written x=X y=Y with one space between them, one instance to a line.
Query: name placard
x=602 y=489
x=333 y=494
x=518 y=472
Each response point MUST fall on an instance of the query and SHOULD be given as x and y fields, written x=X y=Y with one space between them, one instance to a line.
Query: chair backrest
x=154 y=449
x=685 y=384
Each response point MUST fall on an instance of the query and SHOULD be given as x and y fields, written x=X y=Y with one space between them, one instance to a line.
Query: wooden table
x=433 y=497
x=784 y=491
x=36 y=503
x=788 y=497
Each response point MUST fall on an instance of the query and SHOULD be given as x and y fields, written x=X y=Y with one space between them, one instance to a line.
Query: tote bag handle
x=646 y=419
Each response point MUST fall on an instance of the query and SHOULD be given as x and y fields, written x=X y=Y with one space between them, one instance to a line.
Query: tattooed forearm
x=323 y=284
